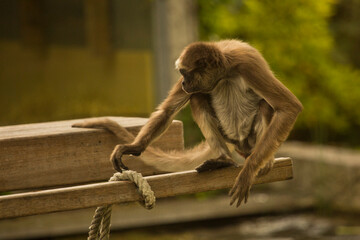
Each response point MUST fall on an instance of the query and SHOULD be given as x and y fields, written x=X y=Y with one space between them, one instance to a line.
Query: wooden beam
x=170 y=211
x=164 y=185
x=55 y=154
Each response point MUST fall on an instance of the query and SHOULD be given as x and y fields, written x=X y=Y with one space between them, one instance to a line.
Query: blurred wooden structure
x=71 y=58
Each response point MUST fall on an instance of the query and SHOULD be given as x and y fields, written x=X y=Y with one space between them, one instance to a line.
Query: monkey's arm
x=158 y=122
x=286 y=106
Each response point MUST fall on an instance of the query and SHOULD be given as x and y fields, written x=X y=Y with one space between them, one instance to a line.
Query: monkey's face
x=197 y=80
x=201 y=78
x=201 y=66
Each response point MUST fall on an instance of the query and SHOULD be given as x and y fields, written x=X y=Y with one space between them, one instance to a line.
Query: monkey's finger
x=241 y=196
x=115 y=155
x=135 y=153
x=247 y=195
x=232 y=190
x=239 y=201
x=235 y=187
x=232 y=202
x=235 y=195
x=115 y=163
x=120 y=162
x=116 y=166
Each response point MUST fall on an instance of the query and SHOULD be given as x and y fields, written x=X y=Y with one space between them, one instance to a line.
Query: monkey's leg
x=216 y=163
x=208 y=123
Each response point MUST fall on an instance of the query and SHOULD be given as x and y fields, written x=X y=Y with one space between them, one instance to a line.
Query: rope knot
x=142 y=185
x=100 y=225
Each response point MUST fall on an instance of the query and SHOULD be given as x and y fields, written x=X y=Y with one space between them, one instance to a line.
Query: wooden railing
x=49 y=156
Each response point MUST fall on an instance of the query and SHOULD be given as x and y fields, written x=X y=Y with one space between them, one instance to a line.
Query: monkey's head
x=201 y=65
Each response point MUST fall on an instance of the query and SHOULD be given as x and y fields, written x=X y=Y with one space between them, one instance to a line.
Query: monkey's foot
x=213 y=164
x=241 y=189
x=119 y=151
x=267 y=168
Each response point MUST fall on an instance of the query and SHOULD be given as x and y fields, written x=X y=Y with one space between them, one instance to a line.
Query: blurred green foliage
x=345 y=26
x=295 y=38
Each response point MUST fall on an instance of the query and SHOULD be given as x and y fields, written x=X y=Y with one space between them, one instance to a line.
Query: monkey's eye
x=182 y=71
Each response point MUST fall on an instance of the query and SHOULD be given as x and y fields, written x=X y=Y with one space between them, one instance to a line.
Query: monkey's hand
x=216 y=163
x=241 y=189
x=267 y=168
x=120 y=150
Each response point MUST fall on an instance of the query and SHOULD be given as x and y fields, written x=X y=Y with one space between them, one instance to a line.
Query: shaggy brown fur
x=236 y=100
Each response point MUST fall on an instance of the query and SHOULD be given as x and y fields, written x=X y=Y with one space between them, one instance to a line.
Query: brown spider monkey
x=235 y=99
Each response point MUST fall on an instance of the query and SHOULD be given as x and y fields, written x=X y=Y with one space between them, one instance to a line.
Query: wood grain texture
x=97 y=194
x=55 y=154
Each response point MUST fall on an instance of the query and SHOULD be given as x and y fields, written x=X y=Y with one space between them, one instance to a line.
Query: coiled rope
x=100 y=225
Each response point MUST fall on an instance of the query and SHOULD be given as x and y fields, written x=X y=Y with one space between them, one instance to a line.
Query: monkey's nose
x=183 y=83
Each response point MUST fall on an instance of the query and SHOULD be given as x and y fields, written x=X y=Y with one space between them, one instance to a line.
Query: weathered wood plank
x=53 y=154
x=164 y=185
x=170 y=211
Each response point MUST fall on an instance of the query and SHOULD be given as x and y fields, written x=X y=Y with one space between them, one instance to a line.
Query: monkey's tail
x=105 y=123
x=164 y=161
x=178 y=160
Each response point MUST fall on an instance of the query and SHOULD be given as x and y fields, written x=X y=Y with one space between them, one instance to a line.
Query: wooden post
x=98 y=26
x=51 y=154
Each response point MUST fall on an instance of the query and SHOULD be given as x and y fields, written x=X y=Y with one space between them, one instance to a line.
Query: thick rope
x=100 y=225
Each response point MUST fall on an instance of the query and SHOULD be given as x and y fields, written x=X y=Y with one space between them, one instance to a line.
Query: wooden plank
x=170 y=211
x=164 y=185
x=52 y=154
